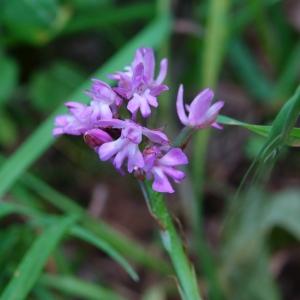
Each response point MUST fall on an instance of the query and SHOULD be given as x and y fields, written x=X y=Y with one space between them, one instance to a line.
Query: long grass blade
x=75 y=287
x=31 y=266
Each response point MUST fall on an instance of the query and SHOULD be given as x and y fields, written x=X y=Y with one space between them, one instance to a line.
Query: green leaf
x=28 y=271
x=75 y=287
x=42 y=138
x=92 y=239
x=98 y=19
x=77 y=231
x=248 y=71
x=283 y=210
x=30 y=20
x=49 y=88
x=293 y=138
x=99 y=228
x=8 y=78
x=8 y=129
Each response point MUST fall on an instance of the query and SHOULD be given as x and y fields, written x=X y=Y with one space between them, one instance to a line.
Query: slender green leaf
x=9 y=77
x=28 y=271
x=76 y=230
x=263 y=130
x=249 y=72
x=75 y=287
x=283 y=210
x=42 y=138
x=281 y=128
x=91 y=238
x=96 y=19
x=212 y=57
x=120 y=242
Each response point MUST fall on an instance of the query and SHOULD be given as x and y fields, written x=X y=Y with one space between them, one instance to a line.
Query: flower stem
x=187 y=280
x=183 y=137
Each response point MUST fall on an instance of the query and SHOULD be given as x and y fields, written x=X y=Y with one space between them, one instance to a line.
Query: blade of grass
x=289 y=76
x=211 y=61
x=121 y=243
x=75 y=287
x=34 y=260
x=173 y=244
x=77 y=231
x=249 y=72
x=42 y=138
x=109 y=17
x=264 y=162
x=293 y=138
x=85 y=235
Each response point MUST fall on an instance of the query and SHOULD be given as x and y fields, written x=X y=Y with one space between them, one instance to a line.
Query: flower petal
x=108 y=150
x=174 y=157
x=200 y=106
x=114 y=123
x=162 y=72
x=161 y=183
x=156 y=136
x=175 y=174
x=180 y=107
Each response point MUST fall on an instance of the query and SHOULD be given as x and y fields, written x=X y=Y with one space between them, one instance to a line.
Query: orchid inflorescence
x=120 y=140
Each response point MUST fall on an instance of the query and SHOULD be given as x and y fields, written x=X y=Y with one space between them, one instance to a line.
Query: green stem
x=172 y=242
x=183 y=137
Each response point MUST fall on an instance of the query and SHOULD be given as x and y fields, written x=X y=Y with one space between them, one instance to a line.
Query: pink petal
x=180 y=108
x=108 y=150
x=145 y=108
x=174 y=157
x=211 y=115
x=175 y=174
x=161 y=183
x=200 y=106
x=115 y=123
x=156 y=136
x=96 y=137
x=149 y=63
x=162 y=72
x=135 y=159
x=134 y=104
x=217 y=125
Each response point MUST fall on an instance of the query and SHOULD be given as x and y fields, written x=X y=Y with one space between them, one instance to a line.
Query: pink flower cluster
x=123 y=140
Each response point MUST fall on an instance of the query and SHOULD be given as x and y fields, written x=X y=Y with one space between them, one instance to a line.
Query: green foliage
x=50 y=87
x=293 y=138
x=72 y=286
x=9 y=77
x=28 y=271
x=32 y=21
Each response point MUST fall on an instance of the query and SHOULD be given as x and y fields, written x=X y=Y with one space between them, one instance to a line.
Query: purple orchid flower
x=201 y=113
x=161 y=167
x=80 y=119
x=138 y=85
x=127 y=145
x=104 y=99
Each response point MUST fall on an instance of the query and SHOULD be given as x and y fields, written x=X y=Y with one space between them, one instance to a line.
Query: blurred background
x=247 y=51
